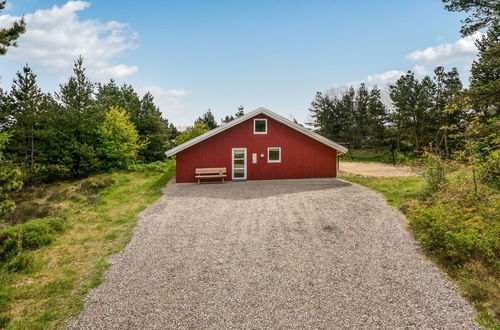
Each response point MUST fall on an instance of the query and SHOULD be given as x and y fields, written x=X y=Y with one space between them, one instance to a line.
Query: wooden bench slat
x=211 y=172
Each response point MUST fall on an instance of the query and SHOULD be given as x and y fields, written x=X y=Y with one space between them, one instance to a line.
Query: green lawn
x=396 y=190
x=51 y=290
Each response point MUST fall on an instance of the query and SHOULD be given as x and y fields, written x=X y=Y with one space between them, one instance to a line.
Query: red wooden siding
x=301 y=156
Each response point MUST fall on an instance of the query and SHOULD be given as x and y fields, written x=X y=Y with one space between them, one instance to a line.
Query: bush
x=434 y=173
x=457 y=234
x=31 y=235
x=22 y=262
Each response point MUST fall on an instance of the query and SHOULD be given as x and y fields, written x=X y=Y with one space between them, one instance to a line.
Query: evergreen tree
x=227 y=119
x=484 y=13
x=208 y=120
x=26 y=113
x=74 y=139
x=413 y=101
x=377 y=119
x=153 y=129
x=9 y=179
x=485 y=74
x=240 y=112
x=445 y=120
x=8 y=36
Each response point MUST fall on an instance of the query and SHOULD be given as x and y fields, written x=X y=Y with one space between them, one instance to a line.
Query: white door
x=239 y=163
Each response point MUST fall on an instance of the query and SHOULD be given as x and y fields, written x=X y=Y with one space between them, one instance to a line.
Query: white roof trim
x=249 y=115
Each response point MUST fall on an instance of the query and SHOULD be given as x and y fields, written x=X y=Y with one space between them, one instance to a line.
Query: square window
x=274 y=155
x=260 y=126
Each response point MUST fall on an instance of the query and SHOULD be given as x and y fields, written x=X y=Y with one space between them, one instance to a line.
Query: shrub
x=22 y=262
x=434 y=173
x=457 y=235
x=31 y=235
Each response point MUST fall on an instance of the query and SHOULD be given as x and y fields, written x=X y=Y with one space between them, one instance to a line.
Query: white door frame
x=244 y=163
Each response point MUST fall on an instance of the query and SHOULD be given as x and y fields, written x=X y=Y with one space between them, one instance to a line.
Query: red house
x=260 y=145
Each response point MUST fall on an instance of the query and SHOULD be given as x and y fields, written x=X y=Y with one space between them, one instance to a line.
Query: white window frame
x=255 y=119
x=273 y=148
x=245 y=165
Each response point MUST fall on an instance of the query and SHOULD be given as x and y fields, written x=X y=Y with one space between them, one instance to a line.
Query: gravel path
x=318 y=253
x=376 y=169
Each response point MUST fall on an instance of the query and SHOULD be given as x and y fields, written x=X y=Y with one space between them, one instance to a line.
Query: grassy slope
x=74 y=263
x=478 y=282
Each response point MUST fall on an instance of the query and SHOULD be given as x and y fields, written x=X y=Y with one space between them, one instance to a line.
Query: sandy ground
x=376 y=169
x=283 y=254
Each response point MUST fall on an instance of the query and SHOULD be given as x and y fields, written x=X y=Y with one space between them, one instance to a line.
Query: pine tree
x=8 y=36
x=27 y=113
x=208 y=120
x=485 y=74
x=484 y=13
x=9 y=179
x=240 y=112
x=152 y=129
x=444 y=119
x=74 y=140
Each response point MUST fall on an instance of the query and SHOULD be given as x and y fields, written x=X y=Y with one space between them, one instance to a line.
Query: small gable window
x=274 y=155
x=260 y=126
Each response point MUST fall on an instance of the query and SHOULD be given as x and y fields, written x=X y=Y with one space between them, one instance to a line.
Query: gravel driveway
x=318 y=253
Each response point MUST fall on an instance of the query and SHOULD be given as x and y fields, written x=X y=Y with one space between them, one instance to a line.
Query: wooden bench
x=210 y=173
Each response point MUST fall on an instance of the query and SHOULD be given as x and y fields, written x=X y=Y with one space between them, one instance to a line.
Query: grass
x=397 y=190
x=50 y=291
x=458 y=230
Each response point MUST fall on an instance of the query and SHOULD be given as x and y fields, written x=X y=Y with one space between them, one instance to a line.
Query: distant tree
x=445 y=119
x=191 y=132
x=485 y=74
x=240 y=112
x=484 y=13
x=8 y=36
x=26 y=112
x=227 y=119
x=9 y=179
x=413 y=102
x=208 y=120
x=118 y=139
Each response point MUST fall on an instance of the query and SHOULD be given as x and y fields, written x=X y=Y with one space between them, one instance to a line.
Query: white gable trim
x=249 y=115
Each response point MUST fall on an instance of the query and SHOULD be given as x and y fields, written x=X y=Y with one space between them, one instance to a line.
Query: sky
x=218 y=55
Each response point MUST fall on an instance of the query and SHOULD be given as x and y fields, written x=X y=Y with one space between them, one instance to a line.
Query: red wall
x=301 y=156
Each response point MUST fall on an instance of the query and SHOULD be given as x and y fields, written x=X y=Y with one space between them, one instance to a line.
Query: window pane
x=239 y=173
x=274 y=154
x=239 y=154
x=260 y=126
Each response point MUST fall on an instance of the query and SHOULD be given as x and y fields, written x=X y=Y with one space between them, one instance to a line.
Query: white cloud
x=420 y=70
x=55 y=37
x=385 y=78
x=170 y=101
x=448 y=52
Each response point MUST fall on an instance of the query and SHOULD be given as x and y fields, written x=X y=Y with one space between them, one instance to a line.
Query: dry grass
x=74 y=263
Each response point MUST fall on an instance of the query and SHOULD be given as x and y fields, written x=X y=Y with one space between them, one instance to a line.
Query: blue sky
x=195 y=55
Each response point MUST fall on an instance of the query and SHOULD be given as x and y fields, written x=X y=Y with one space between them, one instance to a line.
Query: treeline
x=83 y=128
x=433 y=112
x=420 y=114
